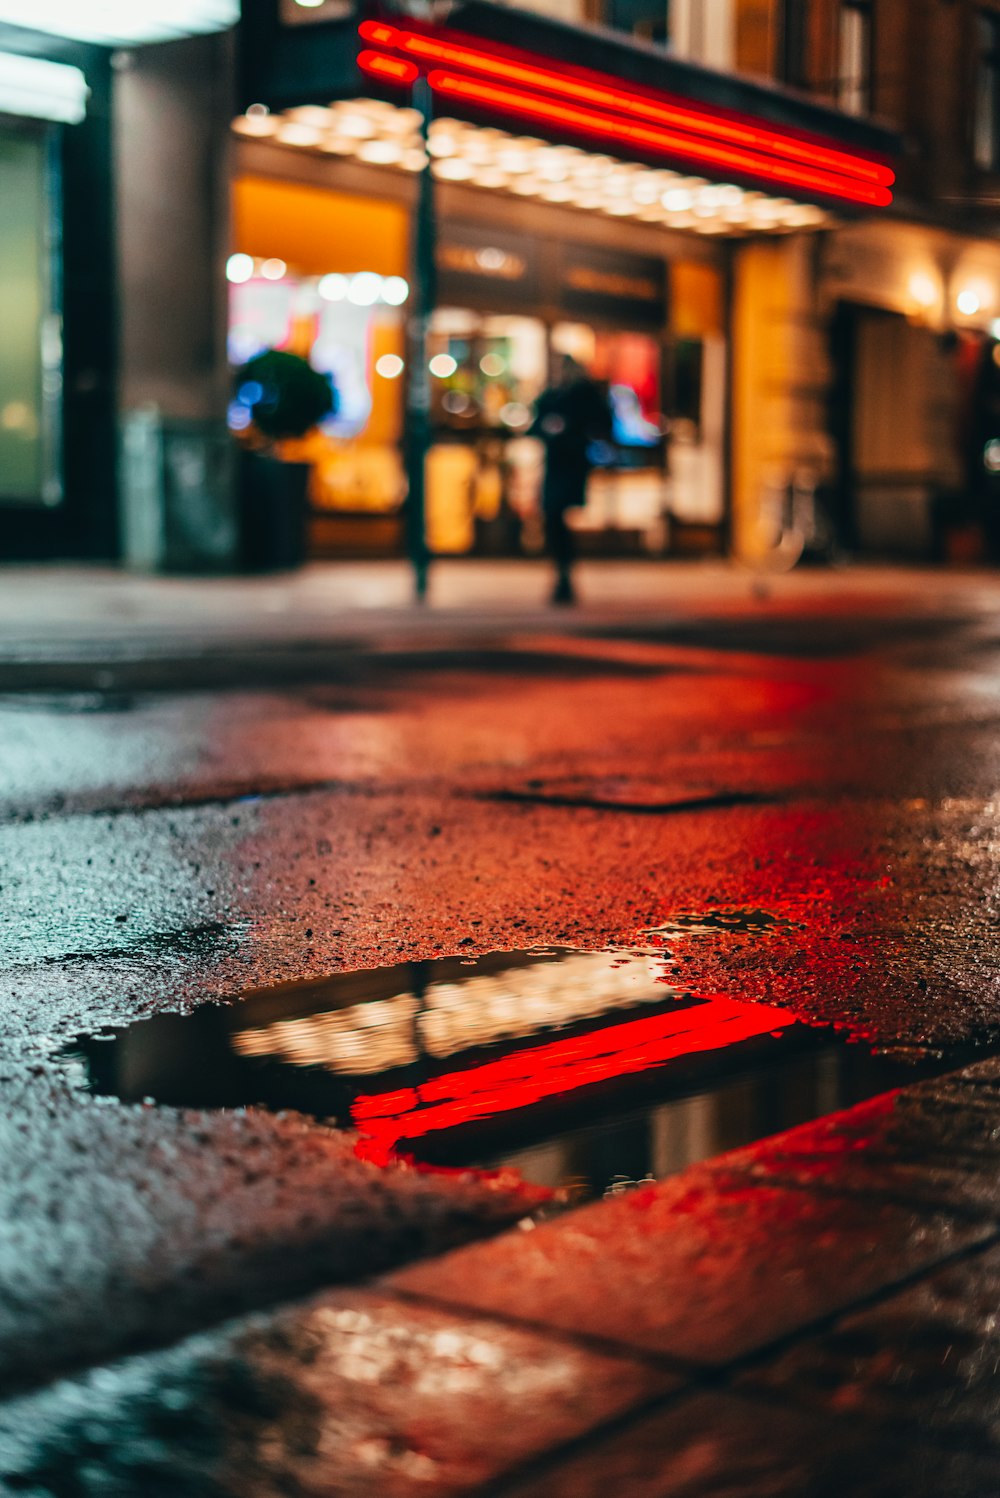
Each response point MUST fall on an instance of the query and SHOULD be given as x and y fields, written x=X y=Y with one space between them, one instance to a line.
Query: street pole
x=418 y=398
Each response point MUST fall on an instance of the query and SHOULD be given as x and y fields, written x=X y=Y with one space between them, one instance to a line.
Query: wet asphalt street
x=788 y=793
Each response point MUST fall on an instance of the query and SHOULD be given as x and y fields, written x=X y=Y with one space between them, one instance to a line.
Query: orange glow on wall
x=316 y=230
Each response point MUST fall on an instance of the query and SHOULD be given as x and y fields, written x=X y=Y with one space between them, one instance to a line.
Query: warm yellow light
x=923 y=289
x=677 y=200
x=442 y=366
x=273 y=269
x=383 y=135
x=968 y=302
x=390 y=366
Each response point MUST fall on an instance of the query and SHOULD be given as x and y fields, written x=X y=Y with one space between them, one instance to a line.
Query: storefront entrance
x=323 y=273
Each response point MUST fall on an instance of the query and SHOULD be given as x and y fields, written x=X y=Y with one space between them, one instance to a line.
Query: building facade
x=694 y=198
x=57 y=339
x=114 y=124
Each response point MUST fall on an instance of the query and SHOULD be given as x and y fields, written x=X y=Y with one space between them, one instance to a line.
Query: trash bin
x=177 y=496
x=274 y=512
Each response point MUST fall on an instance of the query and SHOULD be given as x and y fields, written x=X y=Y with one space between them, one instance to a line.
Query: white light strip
x=42 y=90
x=382 y=135
x=121 y=22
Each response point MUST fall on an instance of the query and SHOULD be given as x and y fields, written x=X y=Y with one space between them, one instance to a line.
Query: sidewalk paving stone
x=717 y=1446
x=350 y=1394
x=924 y=1360
x=126 y=1227
x=936 y=1144
x=702 y=1268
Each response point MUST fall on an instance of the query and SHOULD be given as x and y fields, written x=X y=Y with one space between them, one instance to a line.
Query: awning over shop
x=588 y=88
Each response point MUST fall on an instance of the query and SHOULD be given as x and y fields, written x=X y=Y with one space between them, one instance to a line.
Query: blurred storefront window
x=30 y=354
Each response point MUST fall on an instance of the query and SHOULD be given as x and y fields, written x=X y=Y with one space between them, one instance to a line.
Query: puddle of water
x=583 y=1070
x=735 y=922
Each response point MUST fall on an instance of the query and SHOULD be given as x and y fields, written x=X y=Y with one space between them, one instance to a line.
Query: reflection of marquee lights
x=595 y=105
x=389 y=1120
x=454 y=1017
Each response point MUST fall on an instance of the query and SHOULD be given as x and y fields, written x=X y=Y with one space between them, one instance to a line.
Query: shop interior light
x=443 y=366
x=389 y=366
x=968 y=302
x=387 y=137
x=395 y=291
x=923 y=289
x=41 y=90
x=239 y=268
x=365 y=289
x=120 y=23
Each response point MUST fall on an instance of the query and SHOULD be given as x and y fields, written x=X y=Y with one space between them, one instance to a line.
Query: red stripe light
x=648 y=139
x=591 y=89
x=392 y=69
x=564 y=1066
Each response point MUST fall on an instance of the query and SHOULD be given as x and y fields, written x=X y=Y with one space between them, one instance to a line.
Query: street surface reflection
x=587 y=1071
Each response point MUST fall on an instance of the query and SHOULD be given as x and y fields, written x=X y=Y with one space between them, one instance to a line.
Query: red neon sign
x=648 y=107
x=591 y=104
x=394 y=69
x=563 y=1066
x=645 y=137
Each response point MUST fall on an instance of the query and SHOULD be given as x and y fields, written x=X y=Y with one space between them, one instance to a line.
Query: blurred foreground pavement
x=215 y=786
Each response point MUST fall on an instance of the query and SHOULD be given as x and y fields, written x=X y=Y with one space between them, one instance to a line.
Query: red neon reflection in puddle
x=530 y=1076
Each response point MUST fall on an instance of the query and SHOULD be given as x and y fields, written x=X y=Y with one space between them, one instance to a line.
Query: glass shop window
x=854 y=65
x=642 y=18
x=793 y=56
x=30 y=341
x=986 y=117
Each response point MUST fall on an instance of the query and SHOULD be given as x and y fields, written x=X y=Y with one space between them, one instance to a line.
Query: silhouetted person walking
x=569 y=416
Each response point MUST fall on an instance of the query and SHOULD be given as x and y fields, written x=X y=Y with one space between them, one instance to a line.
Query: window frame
x=986 y=89
x=856 y=96
x=793 y=43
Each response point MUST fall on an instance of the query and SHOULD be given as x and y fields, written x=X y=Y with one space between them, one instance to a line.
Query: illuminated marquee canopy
x=465 y=72
x=121 y=22
x=42 y=90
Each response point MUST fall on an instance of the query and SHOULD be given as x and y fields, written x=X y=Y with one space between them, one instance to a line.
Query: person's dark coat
x=568 y=419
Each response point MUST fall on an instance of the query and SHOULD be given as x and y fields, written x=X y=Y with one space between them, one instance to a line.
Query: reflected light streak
x=548 y=1071
x=454 y=1017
